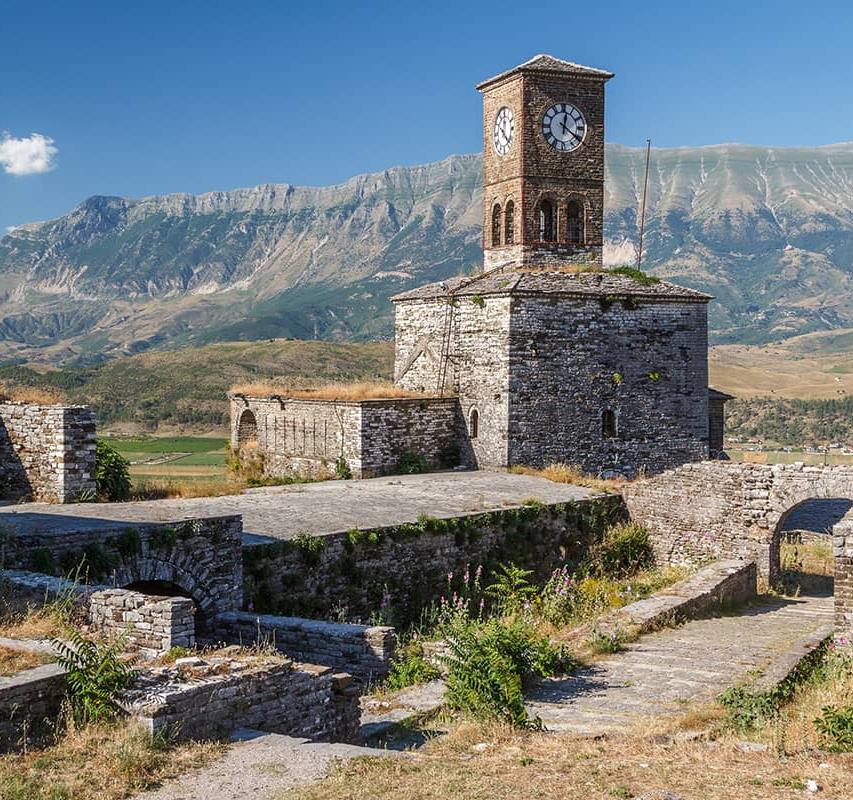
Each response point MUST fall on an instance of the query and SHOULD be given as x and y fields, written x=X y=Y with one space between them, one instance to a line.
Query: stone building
x=545 y=356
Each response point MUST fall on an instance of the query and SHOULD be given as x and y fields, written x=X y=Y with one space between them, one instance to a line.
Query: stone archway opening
x=247 y=429
x=801 y=550
x=160 y=589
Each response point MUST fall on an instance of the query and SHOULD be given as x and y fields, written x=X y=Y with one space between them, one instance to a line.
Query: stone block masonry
x=842 y=545
x=47 y=453
x=199 y=557
x=30 y=704
x=351 y=572
x=363 y=651
x=308 y=437
x=148 y=624
x=275 y=695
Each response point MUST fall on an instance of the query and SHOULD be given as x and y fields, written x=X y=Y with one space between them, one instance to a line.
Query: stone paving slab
x=657 y=675
x=282 y=512
x=259 y=766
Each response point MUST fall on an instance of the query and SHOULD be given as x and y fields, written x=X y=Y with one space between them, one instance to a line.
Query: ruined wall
x=201 y=556
x=30 y=704
x=573 y=359
x=403 y=568
x=842 y=546
x=148 y=624
x=47 y=453
x=361 y=650
x=477 y=370
x=307 y=437
x=302 y=700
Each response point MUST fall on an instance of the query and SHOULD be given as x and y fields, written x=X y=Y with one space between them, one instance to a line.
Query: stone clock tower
x=543 y=164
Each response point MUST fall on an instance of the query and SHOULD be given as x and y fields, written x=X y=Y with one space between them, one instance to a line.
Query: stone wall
x=842 y=545
x=477 y=370
x=405 y=567
x=575 y=358
x=718 y=509
x=307 y=437
x=47 y=453
x=201 y=557
x=285 y=697
x=149 y=624
x=30 y=704
x=363 y=651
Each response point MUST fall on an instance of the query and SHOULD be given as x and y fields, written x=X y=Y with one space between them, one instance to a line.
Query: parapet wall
x=30 y=704
x=361 y=650
x=308 y=437
x=403 y=568
x=47 y=453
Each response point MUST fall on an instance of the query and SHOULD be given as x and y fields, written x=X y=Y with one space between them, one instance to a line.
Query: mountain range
x=767 y=231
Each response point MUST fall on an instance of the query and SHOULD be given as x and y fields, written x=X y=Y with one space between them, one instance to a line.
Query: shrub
x=511 y=589
x=835 y=727
x=746 y=709
x=342 y=469
x=636 y=274
x=96 y=676
x=624 y=550
x=411 y=464
x=488 y=663
x=602 y=643
x=410 y=668
x=112 y=473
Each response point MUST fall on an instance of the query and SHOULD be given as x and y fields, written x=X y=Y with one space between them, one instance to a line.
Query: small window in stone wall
x=474 y=423
x=509 y=223
x=547 y=229
x=496 y=225
x=608 y=424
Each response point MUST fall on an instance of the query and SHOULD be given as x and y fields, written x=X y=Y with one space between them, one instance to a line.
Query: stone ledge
x=784 y=667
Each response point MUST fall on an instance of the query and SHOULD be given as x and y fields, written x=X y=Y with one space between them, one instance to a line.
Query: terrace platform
x=283 y=512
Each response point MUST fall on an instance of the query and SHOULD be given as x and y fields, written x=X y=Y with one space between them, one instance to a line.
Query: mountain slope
x=768 y=231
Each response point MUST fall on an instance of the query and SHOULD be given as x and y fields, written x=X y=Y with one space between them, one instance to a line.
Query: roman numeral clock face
x=564 y=127
x=502 y=133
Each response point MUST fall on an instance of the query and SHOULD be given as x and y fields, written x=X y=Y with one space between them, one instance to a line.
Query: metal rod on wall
x=643 y=207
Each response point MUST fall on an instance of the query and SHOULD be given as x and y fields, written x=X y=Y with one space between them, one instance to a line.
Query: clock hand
x=563 y=123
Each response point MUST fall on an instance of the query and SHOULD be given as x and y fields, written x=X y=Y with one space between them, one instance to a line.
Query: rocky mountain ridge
x=768 y=231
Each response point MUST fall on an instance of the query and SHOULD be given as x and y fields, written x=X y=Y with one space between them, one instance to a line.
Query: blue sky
x=156 y=97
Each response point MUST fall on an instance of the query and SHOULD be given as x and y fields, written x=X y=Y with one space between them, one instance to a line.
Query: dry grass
x=363 y=390
x=14 y=661
x=153 y=489
x=500 y=764
x=99 y=762
x=30 y=394
x=37 y=623
x=568 y=473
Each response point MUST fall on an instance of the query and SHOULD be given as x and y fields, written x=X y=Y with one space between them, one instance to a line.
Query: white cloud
x=29 y=156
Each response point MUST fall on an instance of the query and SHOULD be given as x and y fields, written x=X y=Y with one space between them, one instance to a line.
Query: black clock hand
x=563 y=123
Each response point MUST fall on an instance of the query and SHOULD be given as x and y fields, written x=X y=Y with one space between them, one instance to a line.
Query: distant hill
x=769 y=231
x=186 y=388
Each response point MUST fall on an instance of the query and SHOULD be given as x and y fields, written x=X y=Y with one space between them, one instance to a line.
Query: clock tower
x=543 y=165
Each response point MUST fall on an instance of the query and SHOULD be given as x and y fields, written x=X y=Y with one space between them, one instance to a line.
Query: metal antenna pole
x=643 y=208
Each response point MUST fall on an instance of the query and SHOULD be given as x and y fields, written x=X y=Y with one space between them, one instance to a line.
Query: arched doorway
x=159 y=589
x=801 y=551
x=247 y=429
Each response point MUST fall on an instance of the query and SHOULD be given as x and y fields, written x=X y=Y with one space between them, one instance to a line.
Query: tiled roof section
x=716 y=394
x=593 y=284
x=545 y=63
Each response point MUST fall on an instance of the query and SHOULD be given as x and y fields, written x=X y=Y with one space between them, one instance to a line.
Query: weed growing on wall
x=112 y=473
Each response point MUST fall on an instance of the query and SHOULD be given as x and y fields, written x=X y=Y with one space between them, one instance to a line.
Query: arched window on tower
x=575 y=227
x=474 y=423
x=509 y=223
x=496 y=225
x=608 y=424
x=546 y=222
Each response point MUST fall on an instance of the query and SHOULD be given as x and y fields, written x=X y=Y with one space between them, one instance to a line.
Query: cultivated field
x=181 y=458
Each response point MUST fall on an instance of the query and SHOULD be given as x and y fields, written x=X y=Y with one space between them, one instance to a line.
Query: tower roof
x=539 y=282
x=546 y=64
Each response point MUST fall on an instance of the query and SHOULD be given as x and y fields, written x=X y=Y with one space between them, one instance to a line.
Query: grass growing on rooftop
x=360 y=390
x=568 y=473
x=14 y=661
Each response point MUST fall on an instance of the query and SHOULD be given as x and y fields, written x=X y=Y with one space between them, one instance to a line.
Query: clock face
x=502 y=133
x=563 y=127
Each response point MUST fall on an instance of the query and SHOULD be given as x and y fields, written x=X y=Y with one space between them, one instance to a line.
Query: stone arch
x=247 y=428
x=546 y=220
x=496 y=225
x=474 y=423
x=509 y=222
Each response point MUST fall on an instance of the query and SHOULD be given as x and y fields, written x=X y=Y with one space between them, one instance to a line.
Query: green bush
x=411 y=464
x=342 y=469
x=512 y=588
x=835 y=727
x=96 y=676
x=112 y=473
x=410 y=668
x=624 y=550
x=488 y=664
